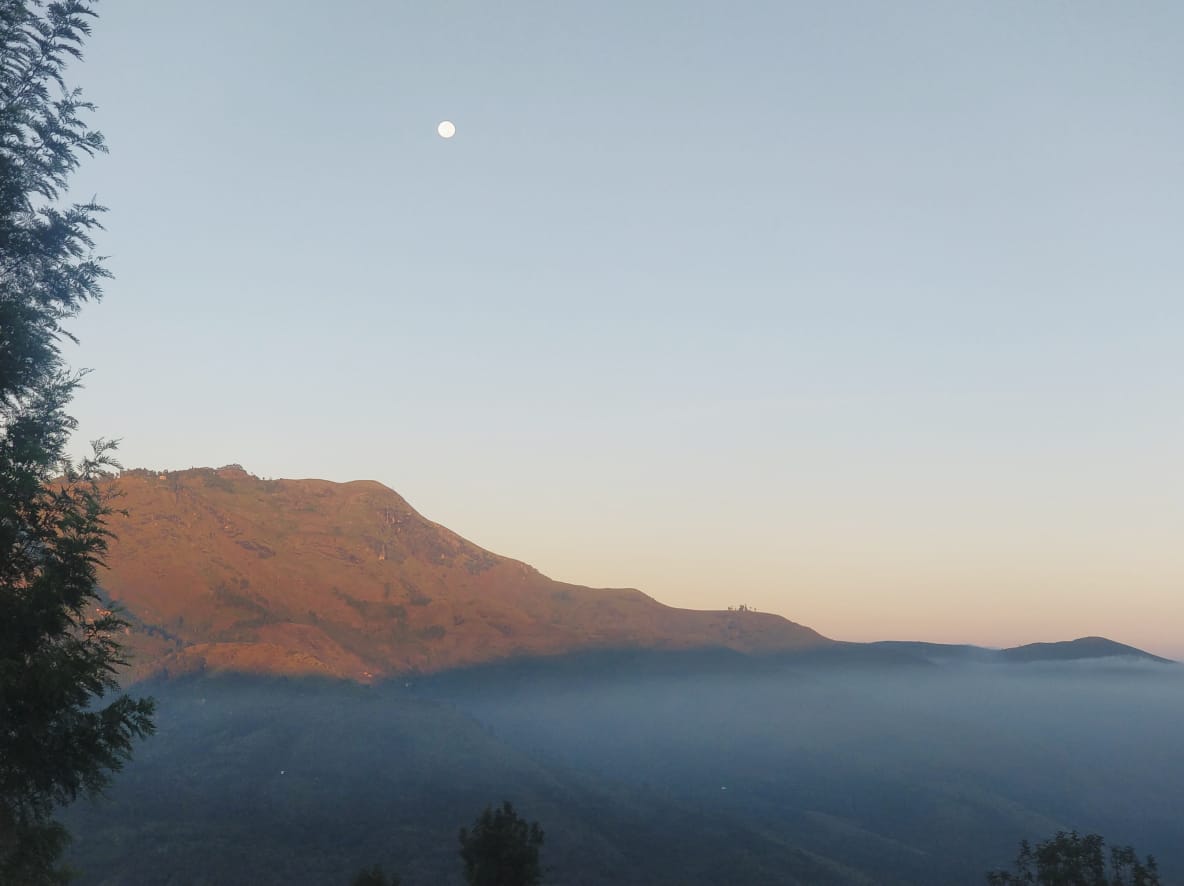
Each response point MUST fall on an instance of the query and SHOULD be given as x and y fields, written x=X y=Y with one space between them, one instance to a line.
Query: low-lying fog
x=772 y=774
x=957 y=763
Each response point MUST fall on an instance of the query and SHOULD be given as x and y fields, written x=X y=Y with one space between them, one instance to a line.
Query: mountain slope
x=221 y=570
x=240 y=790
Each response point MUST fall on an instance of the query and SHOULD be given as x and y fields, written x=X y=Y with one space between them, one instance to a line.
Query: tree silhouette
x=375 y=877
x=501 y=849
x=58 y=640
x=1069 y=859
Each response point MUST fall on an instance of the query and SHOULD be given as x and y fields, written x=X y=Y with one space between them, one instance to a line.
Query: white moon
x=446 y=129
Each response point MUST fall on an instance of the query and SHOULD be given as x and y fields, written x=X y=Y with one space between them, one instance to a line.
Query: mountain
x=939 y=653
x=1076 y=650
x=220 y=570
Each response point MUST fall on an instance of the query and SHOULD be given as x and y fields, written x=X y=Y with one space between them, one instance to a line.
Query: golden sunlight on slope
x=221 y=570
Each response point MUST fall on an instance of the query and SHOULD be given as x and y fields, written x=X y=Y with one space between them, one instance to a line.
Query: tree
x=59 y=648
x=502 y=849
x=1069 y=859
x=374 y=877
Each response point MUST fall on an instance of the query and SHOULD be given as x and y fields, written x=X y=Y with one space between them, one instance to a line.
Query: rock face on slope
x=220 y=570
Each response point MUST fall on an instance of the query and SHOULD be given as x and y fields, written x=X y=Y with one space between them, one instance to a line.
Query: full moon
x=446 y=129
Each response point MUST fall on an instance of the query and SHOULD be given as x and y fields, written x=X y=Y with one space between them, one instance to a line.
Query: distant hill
x=1085 y=648
x=940 y=653
x=219 y=570
x=1075 y=650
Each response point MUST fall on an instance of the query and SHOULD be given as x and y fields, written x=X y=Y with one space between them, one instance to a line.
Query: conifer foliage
x=502 y=849
x=62 y=732
x=1070 y=859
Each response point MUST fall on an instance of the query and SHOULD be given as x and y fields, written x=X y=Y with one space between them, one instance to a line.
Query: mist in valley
x=921 y=774
x=650 y=768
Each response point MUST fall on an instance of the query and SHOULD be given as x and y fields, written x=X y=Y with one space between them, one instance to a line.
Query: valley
x=342 y=683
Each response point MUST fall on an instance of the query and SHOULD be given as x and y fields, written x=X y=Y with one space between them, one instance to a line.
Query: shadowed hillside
x=1082 y=649
x=237 y=789
x=1077 y=650
x=221 y=570
x=790 y=772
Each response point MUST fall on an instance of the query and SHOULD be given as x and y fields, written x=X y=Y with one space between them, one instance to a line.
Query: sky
x=866 y=314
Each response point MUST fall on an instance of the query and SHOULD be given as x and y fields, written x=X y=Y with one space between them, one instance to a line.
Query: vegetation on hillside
x=375 y=876
x=1070 y=859
x=502 y=849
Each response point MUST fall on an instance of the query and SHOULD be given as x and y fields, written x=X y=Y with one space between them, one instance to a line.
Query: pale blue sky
x=866 y=313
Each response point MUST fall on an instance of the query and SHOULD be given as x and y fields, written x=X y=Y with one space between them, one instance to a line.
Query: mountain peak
x=220 y=569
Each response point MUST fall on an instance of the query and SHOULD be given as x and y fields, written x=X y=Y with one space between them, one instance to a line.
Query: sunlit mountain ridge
x=221 y=571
